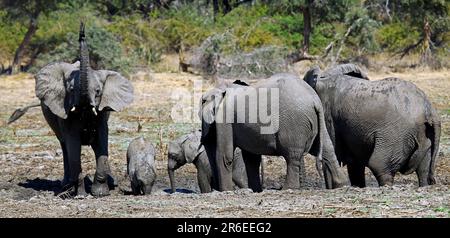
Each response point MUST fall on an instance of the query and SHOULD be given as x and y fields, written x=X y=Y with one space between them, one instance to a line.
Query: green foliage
x=185 y=25
x=140 y=31
x=321 y=37
x=11 y=33
x=250 y=26
x=105 y=51
x=396 y=36
x=287 y=28
x=138 y=38
x=362 y=28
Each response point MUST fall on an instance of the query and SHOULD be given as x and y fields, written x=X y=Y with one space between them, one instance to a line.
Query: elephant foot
x=100 y=186
x=99 y=189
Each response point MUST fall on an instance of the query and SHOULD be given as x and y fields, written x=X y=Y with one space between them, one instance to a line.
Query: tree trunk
x=216 y=8
x=226 y=7
x=306 y=26
x=32 y=27
x=427 y=58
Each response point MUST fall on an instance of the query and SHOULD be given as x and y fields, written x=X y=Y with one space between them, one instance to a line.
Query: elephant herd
x=337 y=115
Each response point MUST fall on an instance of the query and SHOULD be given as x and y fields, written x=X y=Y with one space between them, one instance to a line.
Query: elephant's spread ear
x=51 y=86
x=117 y=91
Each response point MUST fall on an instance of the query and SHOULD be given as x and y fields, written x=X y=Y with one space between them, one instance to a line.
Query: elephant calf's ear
x=117 y=92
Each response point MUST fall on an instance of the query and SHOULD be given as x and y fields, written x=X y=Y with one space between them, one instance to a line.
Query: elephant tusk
x=94 y=111
x=73 y=109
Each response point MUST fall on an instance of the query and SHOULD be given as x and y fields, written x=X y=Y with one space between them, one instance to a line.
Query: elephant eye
x=97 y=91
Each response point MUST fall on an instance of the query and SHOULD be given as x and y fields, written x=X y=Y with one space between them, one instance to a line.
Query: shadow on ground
x=39 y=184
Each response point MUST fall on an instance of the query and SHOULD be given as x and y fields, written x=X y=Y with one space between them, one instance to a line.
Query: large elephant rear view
x=387 y=125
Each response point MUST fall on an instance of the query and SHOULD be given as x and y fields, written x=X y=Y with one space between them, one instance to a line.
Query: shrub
x=11 y=34
x=396 y=36
x=105 y=51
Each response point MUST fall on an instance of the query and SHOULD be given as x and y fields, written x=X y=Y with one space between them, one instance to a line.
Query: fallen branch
x=407 y=49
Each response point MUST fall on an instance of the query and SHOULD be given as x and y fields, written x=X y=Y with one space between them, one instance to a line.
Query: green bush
x=396 y=36
x=139 y=39
x=11 y=34
x=287 y=28
x=105 y=51
x=249 y=25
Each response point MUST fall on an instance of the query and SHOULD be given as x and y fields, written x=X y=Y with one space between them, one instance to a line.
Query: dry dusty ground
x=31 y=165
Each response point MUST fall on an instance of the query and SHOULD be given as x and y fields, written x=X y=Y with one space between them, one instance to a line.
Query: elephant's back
x=140 y=154
x=406 y=98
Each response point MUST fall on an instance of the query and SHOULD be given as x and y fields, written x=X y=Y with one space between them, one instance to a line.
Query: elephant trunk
x=84 y=67
x=172 y=179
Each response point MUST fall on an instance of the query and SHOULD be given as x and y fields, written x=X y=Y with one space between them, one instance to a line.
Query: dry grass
x=31 y=164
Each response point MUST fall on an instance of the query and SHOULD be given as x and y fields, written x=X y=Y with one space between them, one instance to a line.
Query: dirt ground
x=31 y=164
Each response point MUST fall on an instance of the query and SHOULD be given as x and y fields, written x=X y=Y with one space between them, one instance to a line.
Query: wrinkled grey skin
x=387 y=125
x=187 y=149
x=76 y=101
x=141 y=166
x=301 y=130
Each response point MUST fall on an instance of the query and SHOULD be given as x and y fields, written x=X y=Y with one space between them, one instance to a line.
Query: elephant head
x=67 y=87
x=209 y=106
x=184 y=150
x=211 y=102
x=315 y=74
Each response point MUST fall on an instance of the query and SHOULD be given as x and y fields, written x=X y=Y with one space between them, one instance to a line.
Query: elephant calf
x=187 y=149
x=141 y=166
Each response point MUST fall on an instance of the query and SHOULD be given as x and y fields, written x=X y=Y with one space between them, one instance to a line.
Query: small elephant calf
x=141 y=166
x=187 y=149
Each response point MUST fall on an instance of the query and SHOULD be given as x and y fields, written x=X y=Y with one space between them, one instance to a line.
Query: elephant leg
x=204 y=181
x=204 y=173
x=356 y=174
x=65 y=180
x=379 y=162
x=100 y=146
x=294 y=170
x=239 y=171
x=252 y=163
x=73 y=147
x=135 y=186
x=423 y=170
x=100 y=186
x=224 y=157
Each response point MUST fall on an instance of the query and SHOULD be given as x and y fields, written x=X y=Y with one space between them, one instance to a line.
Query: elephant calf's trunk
x=172 y=179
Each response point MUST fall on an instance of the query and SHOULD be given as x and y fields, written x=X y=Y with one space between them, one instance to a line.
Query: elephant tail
x=317 y=148
x=19 y=112
x=433 y=132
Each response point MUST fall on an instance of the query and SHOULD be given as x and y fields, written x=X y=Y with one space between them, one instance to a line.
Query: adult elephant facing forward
x=294 y=128
x=387 y=125
x=76 y=102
